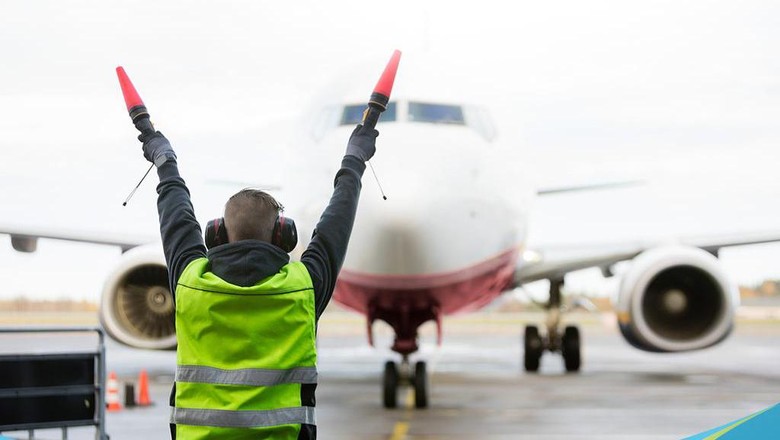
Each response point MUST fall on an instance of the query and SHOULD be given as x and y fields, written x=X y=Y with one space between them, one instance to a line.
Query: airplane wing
x=25 y=238
x=713 y=244
x=554 y=262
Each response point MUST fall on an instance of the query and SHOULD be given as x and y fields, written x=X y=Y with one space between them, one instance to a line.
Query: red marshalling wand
x=135 y=106
x=378 y=101
x=138 y=114
x=376 y=105
x=381 y=94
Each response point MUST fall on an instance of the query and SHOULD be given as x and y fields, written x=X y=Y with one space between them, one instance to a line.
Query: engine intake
x=137 y=307
x=676 y=298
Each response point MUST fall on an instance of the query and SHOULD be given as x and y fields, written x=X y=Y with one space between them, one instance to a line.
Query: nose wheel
x=390 y=385
x=420 y=385
x=396 y=376
x=567 y=343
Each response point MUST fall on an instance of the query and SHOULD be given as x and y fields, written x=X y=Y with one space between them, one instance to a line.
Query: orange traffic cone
x=112 y=398
x=143 y=389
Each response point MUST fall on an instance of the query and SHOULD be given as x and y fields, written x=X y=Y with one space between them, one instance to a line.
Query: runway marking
x=400 y=430
x=410 y=398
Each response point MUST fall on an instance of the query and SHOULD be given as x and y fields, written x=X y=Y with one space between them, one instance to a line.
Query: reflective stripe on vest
x=247 y=376
x=243 y=419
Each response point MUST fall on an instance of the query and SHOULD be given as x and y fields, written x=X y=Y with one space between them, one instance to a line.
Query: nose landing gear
x=395 y=377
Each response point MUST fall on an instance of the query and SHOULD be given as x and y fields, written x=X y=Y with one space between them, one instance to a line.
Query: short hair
x=250 y=214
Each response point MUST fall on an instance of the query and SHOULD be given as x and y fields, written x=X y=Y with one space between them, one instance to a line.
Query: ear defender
x=215 y=233
x=284 y=235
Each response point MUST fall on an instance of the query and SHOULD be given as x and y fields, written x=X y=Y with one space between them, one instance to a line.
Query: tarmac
x=479 y=391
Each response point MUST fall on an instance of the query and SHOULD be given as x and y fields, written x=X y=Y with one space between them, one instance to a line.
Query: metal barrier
x=53 y=390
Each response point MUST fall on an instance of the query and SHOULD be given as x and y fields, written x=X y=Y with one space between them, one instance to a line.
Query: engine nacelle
x=676 y=298
x=137 y=307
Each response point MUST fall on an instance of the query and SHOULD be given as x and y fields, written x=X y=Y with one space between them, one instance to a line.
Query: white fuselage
x=453 y=199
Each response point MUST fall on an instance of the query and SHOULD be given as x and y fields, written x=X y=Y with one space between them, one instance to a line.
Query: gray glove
x=156 y=148
x=362 y=143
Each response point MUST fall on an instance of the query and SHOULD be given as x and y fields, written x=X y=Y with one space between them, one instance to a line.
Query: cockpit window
x=436 y=113
x=353 y=114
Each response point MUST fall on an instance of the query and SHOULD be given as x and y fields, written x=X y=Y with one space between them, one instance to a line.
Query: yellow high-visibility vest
x=245 y=355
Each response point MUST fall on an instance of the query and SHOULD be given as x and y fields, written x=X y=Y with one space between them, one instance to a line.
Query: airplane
x=450 y=238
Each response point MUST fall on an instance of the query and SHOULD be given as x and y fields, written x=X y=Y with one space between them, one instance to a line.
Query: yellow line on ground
x=410 y=398
x=400 y=430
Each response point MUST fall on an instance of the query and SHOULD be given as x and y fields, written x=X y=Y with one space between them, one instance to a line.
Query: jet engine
x=676 y=298
x=137 y=307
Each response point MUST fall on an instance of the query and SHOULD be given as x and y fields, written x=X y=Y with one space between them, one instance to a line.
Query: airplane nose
x=414 y=232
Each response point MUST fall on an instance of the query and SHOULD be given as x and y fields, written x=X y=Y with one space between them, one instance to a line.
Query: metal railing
x=53 y=389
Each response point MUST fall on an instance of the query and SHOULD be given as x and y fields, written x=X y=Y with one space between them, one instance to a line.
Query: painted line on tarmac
x=400 y=430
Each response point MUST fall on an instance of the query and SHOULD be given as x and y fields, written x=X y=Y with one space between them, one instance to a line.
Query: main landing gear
x=568 y=343
x=395 y=376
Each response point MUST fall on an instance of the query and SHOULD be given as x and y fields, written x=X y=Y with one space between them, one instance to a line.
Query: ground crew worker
x=245 y=315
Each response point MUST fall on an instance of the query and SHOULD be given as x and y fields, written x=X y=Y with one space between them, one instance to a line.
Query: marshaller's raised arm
x=328 y=246
x=179 y=229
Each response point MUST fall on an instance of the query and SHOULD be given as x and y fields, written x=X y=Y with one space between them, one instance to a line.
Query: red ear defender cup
x=285 y=234
x=215 y=233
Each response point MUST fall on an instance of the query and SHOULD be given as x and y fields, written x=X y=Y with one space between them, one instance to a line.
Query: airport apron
x=246 y=356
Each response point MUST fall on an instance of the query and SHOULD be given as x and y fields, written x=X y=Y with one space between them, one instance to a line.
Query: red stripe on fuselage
x=466 y=289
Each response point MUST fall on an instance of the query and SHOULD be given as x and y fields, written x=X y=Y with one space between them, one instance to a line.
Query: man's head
x=250 y=214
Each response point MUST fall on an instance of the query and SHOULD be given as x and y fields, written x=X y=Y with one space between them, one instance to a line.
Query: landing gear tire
x=420 y=385
x=390 y=385
x=533 y=348
x=570 y=348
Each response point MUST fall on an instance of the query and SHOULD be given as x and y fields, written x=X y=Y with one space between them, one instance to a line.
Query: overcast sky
x=682 y=94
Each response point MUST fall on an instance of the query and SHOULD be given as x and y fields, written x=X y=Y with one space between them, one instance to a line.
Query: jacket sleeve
x=181 y=234
x=328 y=246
